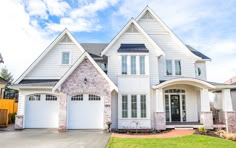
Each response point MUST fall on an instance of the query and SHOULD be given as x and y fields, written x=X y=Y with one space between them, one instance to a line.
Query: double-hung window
x=143 y=106
x=177 y=67
x=133 y=64
x=168 y=67
x=65 y=58
x=142 y=65
x=124 y=106
x=134 y=106
x=124 y=65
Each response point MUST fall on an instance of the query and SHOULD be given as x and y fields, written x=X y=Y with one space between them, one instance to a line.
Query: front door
x=175 y=107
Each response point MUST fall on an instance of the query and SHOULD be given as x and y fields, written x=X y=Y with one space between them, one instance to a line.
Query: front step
x=183 y=128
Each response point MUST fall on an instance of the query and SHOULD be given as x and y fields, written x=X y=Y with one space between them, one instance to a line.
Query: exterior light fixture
x=85 y=80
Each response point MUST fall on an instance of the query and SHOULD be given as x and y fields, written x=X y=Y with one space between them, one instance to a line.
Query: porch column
x=19 y=118
x=229 y=114
x=206 y=115
x=62 y=112
x=159 y=115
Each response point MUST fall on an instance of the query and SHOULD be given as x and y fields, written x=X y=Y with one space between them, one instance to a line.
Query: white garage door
x=41 y=111
x=85 y=112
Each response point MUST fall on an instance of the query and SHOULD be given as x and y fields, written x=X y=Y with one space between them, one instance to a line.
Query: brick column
x=159 y=115
x=62 y=112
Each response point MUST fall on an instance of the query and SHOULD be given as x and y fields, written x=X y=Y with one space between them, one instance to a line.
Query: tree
x=5 y=74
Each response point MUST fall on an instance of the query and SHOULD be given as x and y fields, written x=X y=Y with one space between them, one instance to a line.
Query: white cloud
x=37 y=8
x=57 y=7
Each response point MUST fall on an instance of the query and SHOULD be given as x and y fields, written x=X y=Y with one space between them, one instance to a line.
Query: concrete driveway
x=50 y=138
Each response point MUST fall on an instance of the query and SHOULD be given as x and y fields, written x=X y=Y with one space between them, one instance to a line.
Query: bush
x=11 y=118
x=202 y=130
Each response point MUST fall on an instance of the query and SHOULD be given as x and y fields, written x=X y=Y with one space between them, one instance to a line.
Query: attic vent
x=132 y=28
x=147 y=15
x=66 y=39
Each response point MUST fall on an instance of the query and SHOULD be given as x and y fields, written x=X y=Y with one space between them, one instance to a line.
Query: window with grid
x=167 y=107
x=34 y=97
x=133 y=106
x=51 y=98
x=65 y=58
x=143 y=106
x=77 y=98
x=124 y=106
x=94 y=98
x=133 y=64
x=124 y=64
x=183 y=108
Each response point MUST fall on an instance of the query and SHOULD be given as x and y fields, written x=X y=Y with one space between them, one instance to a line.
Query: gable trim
x=49 y=48
x=161 y=52
x=76 y=64
x=172 y=34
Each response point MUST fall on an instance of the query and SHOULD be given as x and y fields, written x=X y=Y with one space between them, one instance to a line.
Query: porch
x=171 y=125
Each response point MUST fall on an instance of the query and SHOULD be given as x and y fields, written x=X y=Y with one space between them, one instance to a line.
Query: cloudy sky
x=29 y=26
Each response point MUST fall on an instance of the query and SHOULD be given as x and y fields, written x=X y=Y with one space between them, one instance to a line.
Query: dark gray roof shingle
x=198 y=53
x=38 y=82
x=132 y=48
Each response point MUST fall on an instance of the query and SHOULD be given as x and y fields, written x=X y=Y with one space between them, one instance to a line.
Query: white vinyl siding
x=124 y=106
x=124 y=65
x=142 y=64
x=133 y=64
x=65 y=58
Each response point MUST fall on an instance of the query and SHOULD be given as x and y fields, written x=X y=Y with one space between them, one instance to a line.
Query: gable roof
x=231 y=80
x=49 y=48
x=198 y=53
x=132 y=21
x=76 y=64
x=179 y=42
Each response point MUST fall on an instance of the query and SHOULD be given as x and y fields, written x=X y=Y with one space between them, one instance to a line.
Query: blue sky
x=29 y=26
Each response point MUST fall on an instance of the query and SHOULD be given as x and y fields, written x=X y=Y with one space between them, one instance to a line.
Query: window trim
x=127 y=106
x=143 y=111
x=134 y=111
x=140 y=65
x=175 y=68
x=62 y=57
x=133 y=64
x=171 y=62
x=125 y=72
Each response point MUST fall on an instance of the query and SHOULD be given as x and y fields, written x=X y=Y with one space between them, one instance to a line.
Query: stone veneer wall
x=230 y=121
x=96 y=84
x=160 y=120
x=206 y=119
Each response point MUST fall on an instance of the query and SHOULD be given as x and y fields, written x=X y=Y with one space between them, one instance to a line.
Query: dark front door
x=175 y=107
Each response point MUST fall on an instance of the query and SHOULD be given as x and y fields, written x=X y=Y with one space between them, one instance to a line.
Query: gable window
x=133 y=64
x=168 y=67
x=143 y=106
x=142 y=64
x=134 y=106
x=65 y=58
x=177 y=67
x=124 y=106
x=124 y=64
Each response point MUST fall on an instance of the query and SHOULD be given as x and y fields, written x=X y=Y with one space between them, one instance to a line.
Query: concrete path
x=48 y=138
x=169 y=134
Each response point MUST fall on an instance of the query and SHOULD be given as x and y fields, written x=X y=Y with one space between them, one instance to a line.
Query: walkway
x=169 y=134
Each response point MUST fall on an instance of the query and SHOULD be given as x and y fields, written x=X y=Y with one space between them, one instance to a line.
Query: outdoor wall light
x=85 y=80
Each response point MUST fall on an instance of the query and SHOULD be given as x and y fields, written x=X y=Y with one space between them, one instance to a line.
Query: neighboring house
x=145 y=78
x=3 y=84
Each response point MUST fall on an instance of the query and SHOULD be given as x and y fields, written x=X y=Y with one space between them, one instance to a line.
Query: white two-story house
x=145 y=78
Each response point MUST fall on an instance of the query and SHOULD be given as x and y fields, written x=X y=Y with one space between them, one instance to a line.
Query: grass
x=192 y=141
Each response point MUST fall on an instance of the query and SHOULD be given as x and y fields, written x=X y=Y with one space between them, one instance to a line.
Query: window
x=142 y=64
x=133 y=106
x=77 y=98
x=51 y=98
x=94 y=98
x=124 y=106
x=175 y=91
x=199 y=71
x=65 y=58
x=34 y=98
x=177 y=67
x=124 y=65
x=143 y=106
x=133 y=64
x=183 y=108
x=168 y=67
x=167 y=108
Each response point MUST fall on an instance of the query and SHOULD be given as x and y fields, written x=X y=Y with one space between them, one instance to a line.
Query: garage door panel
x=85 y=114
x=41 y=113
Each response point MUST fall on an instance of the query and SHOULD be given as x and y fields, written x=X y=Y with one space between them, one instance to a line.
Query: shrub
x=202 y=130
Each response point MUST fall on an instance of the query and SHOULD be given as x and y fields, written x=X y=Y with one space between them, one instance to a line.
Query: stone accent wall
x=207 y=120
x=230 y=121
x=19 y=122
x=96 y=84
x=62 y=112
x=159 y=121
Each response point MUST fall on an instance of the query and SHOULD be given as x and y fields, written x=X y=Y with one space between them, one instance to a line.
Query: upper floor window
x=142 y=64
x=168 y=67
x=65 y=58
x=124 y=65
x=177 y=67
x=133 y=64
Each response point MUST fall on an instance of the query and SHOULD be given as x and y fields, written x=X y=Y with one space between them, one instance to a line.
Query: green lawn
x=193 y=141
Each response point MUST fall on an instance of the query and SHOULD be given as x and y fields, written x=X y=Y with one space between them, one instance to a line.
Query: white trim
x=70 y=57
x=179 y=42
x=49 y=48
x=81 y=58
x=190 y=81
x=160 y=52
